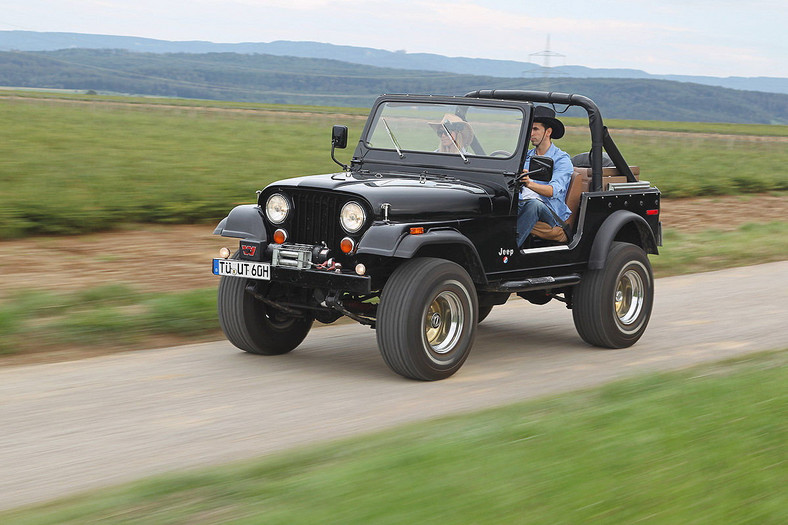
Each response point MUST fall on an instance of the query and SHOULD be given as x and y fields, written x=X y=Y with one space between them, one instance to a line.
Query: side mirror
x=339 y=140
x=541 y=168
x=339 y=137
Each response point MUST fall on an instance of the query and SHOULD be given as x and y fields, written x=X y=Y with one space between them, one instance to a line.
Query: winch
x=297 y=256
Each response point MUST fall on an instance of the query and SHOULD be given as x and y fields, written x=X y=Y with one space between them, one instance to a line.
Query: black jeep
x=420 y=244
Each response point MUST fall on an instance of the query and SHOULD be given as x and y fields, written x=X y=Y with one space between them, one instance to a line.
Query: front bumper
x=327 y=280
x=297 y=265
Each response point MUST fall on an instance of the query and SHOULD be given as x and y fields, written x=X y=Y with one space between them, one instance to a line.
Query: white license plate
x=246 y=269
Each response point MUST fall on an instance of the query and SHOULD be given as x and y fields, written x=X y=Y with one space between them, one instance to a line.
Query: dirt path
x=156 y=258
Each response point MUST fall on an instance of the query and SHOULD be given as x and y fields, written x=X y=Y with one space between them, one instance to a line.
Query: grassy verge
x=75 y=168
x=117 y=316
x=705 y=445
x=114 y=316
x=752 y=243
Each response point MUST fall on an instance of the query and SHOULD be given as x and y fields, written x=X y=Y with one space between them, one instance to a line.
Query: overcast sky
x=689 y=37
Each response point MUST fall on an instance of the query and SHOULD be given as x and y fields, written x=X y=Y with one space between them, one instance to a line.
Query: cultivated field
x=74 y=167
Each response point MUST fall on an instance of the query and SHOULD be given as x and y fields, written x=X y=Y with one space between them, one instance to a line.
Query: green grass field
x=79 y=168
x=74 y=167
x=703 y=446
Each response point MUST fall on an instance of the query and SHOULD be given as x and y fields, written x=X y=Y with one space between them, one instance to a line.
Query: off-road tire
x=612 y=306
x=253 y=326
x=427 y=319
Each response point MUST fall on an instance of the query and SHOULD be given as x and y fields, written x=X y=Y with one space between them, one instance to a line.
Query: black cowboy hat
x=546 y=116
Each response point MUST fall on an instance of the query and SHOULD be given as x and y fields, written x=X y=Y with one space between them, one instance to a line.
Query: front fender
x=622 y=221
x=392 y=240
x=245 y=222
x=413 y=243
x=382 y=239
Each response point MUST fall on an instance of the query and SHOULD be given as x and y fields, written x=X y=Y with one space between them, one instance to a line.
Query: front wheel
x=612 y=306
x=255 y=327
x=427 y=319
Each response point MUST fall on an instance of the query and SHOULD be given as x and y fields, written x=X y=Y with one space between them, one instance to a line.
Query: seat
x=580 y=183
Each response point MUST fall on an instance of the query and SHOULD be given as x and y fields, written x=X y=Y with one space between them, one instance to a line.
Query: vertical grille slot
x=316 y=217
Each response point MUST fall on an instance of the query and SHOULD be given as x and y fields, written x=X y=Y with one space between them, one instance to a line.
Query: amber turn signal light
x=280 y=236
x=347 y=245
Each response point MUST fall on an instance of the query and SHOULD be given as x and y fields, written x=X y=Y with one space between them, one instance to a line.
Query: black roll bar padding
x=616 y=156
x=600 y=138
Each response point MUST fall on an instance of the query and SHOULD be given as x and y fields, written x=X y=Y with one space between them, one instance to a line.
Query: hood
x=409 y=196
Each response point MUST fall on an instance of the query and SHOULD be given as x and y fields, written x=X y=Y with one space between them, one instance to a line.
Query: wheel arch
x=623 y=226
x=450 y=245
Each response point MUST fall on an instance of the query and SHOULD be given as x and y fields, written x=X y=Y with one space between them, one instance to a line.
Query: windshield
x=449 y=129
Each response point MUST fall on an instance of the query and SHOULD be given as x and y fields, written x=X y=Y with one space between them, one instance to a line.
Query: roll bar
x=600 y=138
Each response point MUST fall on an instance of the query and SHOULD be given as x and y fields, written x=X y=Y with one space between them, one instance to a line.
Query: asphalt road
x=69 y=427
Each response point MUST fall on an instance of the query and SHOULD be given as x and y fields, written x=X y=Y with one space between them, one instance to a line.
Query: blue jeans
x=529 y=212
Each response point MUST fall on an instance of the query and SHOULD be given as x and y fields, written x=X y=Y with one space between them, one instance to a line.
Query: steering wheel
x=501 y=152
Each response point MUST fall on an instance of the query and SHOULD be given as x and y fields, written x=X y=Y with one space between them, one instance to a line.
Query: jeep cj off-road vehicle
x=420 y=244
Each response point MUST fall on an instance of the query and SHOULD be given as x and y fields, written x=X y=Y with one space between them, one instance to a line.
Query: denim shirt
x=562 y=175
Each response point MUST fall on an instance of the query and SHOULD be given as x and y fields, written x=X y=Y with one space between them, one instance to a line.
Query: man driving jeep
x=544 y=202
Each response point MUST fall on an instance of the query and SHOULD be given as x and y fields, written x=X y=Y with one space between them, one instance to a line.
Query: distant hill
x=291 y=80
x=42 y=41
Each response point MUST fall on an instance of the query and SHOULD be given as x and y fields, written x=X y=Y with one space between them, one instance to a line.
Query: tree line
x=291 y=80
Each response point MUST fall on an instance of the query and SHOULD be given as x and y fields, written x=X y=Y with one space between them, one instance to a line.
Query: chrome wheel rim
x=629 y=297
x=443 y=322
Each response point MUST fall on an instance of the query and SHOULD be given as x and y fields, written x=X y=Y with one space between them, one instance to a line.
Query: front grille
x=316 y=217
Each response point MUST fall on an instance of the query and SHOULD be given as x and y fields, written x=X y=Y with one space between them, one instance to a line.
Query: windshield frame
x=385 y=157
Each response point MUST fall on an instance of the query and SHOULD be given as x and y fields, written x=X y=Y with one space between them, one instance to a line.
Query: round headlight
x=352 y=217
x=276 y=208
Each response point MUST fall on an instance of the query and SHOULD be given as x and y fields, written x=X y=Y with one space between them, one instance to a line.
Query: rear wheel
x=612 y=306
x=427 y=319
x=255 y=327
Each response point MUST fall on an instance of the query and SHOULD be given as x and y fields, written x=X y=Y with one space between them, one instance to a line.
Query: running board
x=536 y=283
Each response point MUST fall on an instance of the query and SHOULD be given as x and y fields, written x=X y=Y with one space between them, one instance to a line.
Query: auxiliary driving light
x=280 y=236
x=361 y=269
x=224 y=252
